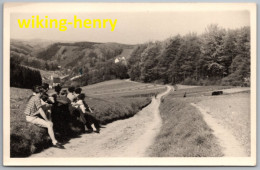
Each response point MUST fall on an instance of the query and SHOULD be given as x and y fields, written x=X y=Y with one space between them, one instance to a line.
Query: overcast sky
x=131 y=27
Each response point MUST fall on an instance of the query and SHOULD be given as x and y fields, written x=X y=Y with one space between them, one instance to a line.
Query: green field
x=111 y=100
x=117 y=99
x=119 y=88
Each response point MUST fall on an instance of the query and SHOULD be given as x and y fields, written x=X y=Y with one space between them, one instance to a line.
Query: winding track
x=230 y=146
x=124 y=138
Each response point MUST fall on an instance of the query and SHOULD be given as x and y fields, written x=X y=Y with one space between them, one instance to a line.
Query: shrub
x=235 y=80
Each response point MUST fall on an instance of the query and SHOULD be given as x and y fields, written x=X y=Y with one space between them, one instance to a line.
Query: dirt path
x=230 y=146
x=124 y=138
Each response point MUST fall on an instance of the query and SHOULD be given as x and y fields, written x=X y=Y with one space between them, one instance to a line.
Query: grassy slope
x=27 y=138
x=117 y=99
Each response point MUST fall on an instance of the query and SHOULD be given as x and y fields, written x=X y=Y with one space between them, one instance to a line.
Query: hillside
x=68 y=55
x=26 y=51
x=94 y=61
x=216 y=57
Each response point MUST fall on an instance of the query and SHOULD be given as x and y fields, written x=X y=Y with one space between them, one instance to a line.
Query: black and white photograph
x=129 y=84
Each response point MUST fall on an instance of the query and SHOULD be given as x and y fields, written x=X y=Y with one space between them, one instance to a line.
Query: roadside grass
x=27 y=138
x=116 y=99
x=109 y=110
x=184 y=133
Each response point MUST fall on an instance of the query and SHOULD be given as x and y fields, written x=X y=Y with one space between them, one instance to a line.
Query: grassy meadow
x=111 y=100
x=116 y=99
x=184 y=133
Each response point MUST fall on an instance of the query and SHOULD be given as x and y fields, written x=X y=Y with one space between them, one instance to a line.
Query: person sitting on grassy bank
x=79 y=106
x=77 y=92
x=46 y=105
x=35 y=115
x=50 y=99
x=46 y=100
x=74 y=107
x=71 y=94
x=84 y=108
x=60 y=112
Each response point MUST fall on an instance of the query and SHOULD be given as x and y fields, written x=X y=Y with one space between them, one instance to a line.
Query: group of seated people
x=51 y=111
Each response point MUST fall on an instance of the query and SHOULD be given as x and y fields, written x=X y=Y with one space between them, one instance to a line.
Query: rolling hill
x=94 y=61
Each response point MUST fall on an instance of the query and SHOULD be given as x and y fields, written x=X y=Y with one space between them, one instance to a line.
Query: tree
x=149 y=62
x=168 y=56
x=134 y=68
x=212 y=49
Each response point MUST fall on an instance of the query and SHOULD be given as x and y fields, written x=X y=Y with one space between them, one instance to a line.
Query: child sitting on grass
x=84 y=108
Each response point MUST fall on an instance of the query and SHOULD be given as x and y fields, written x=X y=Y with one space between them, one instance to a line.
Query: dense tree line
x=27 y=60
x=40 y=64
x=218 y=56
x=48 y=53
x=23 y=77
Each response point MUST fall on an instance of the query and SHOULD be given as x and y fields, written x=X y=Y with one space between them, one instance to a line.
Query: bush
x=235 y=80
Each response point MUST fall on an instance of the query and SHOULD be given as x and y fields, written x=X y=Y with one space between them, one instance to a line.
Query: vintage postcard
x=129 y=84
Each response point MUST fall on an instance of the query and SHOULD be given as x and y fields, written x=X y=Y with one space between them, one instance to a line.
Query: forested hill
x=95 y=62
x=218 y=56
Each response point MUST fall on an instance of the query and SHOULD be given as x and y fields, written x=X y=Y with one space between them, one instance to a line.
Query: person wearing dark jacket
x=85 y=109
x=60 y=111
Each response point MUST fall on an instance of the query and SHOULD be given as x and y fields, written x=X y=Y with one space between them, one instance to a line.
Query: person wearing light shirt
x=35 y=115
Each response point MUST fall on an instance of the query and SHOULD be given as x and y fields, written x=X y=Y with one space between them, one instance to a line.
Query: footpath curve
x=229 y=145
x=123 y=138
